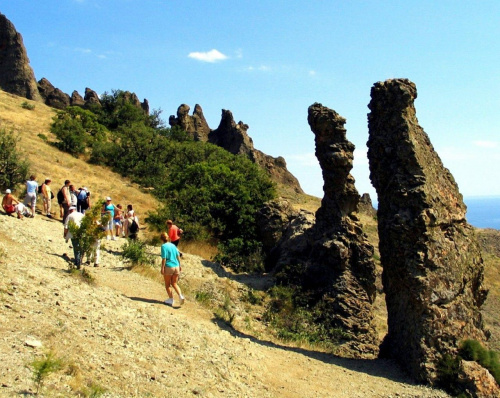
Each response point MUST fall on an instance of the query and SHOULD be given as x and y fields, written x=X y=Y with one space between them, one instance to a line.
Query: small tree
x=90 y=230
x=13 y=169
x=43 y=367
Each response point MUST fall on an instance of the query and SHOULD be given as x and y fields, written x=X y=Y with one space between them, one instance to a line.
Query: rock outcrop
x=91 y=97
x=16 y=74
x=76 y=99
x=233 y=137
x=53 y=96
x=366 y=205
x=195 y=126
x=432 y=265
x=331 y=257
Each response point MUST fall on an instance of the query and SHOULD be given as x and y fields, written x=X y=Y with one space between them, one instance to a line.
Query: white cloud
x=209 y=56
x=83 y=50
x=312 y=73
x=262 y=68
x=486 y=144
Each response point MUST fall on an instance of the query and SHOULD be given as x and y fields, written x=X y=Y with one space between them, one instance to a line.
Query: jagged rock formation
x=196 y=126
x=366 y=205
x=232 y=137
x=432 y=265
x=76 y=99
x=331 y=257
x=91 y=97
x=52 y=96
x=16 y=75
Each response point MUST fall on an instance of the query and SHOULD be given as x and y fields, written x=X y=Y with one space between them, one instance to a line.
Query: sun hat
x=72 y=208
x=8 y=191
x=108 y=198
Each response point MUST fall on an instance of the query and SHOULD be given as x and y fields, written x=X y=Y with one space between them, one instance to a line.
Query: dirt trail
x=118 y=334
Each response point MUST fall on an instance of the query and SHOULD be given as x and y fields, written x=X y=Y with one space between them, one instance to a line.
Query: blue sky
x=268 y=61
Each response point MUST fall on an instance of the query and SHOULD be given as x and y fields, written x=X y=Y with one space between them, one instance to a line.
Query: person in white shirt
x=74 y=217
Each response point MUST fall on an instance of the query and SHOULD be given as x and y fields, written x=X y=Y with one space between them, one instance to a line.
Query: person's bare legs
x=176 y=287
x=168 y=285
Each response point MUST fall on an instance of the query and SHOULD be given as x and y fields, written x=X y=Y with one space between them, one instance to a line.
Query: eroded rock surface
x=432 y=265
x=16 y=74
x=233 y=137
x=330 y=257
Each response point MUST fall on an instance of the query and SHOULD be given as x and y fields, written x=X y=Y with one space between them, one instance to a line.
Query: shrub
x=43 y=137
x=472 y=350
x=14 y=169
x=28 y=106
x=43 y=367
x=135 y=251
x=241 y=255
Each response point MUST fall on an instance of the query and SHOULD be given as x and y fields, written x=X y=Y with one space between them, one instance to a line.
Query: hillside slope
x=118 y=334
x=48 y=161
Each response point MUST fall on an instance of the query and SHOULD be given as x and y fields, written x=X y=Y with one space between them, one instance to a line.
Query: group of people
x=73 y=204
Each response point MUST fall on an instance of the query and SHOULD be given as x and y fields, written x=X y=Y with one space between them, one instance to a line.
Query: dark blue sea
x=483 y=211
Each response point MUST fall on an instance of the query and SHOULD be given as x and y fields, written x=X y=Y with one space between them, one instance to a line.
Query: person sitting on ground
x=47 y=197
x=31 y=192
x=170 y=269
x=11 y=204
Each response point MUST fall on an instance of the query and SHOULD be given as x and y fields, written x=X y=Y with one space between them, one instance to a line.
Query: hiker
x=11 y=205
x=109 y=208
x=64 y=200
x=74 y=217
x=170 y=268
x=31 y=192
x=174 y=232
x=132 y=225
x=118 y=220
x=47 y=196
x=129 y=215
x=73 y=193
x=83 y=200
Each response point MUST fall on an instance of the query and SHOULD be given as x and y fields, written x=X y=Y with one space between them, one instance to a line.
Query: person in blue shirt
x=31 y=192
x=170 y=268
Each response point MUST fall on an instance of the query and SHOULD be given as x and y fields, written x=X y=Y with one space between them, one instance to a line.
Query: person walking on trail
x=74 y=217
x=109 y=208
x=47 y=196
x=64 y=199
x=31 y=192
x=83 y=200
x=170 y=269
x=174 y=232
x=118 y=220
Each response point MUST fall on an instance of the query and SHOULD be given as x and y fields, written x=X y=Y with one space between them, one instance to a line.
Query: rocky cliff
x=329 y=256
x=234 y=138
x=16 y=75
x=432 y=265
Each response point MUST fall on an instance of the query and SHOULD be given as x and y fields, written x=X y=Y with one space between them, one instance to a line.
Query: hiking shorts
x=172 y=270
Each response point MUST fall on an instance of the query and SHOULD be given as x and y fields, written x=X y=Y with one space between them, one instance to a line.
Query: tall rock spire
x=432 y=265
x=16 y=75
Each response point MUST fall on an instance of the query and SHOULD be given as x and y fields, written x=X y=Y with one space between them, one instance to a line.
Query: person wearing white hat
x=109 y=208
x=74 y=217
x=9 y=203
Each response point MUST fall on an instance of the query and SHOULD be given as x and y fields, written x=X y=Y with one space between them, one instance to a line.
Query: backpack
x=60 y=196
x=134 y=227
x=82 y=195
x=40 y=188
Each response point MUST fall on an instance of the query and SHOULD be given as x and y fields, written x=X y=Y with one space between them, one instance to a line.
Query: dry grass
x=48 y=161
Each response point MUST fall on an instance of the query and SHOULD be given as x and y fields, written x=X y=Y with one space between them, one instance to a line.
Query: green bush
x=135 y=251
x=28 y=106
x=43 y=367
x=14 y=169
x=472 y=350
x=77 y=129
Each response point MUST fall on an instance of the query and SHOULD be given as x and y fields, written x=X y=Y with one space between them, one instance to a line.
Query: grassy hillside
x=48 y=161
